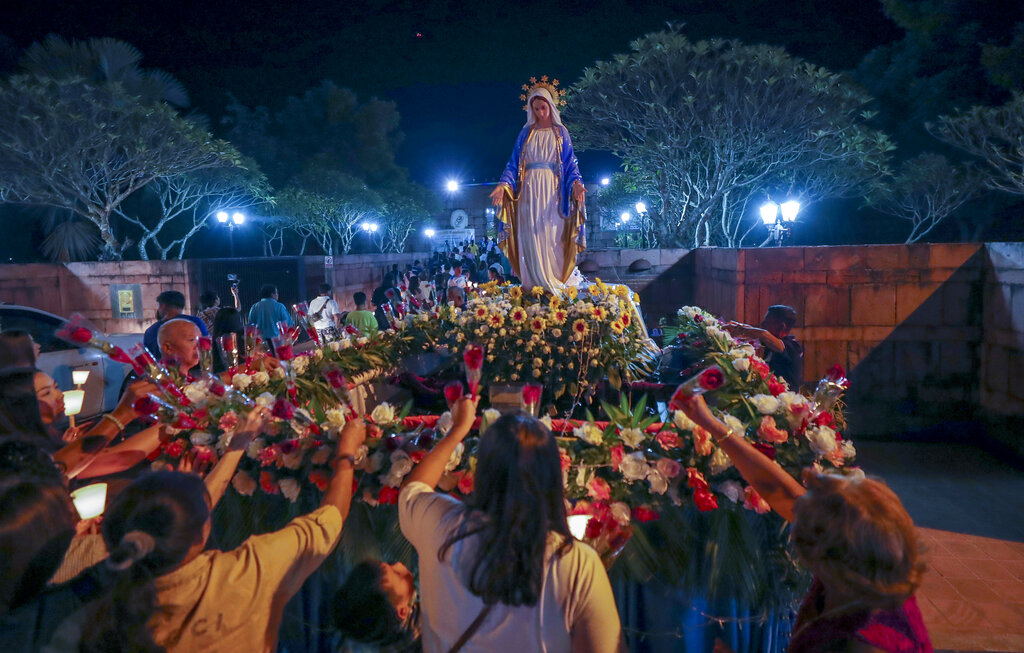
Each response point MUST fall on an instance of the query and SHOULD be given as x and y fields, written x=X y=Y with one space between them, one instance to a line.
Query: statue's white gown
x=541 y=228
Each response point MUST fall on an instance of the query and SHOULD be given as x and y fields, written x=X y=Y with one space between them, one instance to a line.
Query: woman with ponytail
x=854 y=535
x=502 y=572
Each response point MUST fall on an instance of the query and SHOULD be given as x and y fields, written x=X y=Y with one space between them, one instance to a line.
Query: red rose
x=388 y=495
x=531 y=393
x=335 y=378
x=283 y=409
x=644 y=514
x=284 y=352
x=80 y=334
x=667 y=439
x=351 y=330
x=466 y=483
x=205 y=343
x=119 y=355
x=836 y=373
x=618 y=452
x=289 y=446
x=705 y=500
x=145 y=405
x=184 y=422
x=712 y=379
x=268 y=483
x=175 y=449
x=824 y=419
x=594 y=528
x=679 y=398
x=453 y=391
x=319 y=479
x=760 y=367
x=698 y=318
x=473 y=357
x=417 y=456
x=564 y=461
x=766 y=449
x=775 y=386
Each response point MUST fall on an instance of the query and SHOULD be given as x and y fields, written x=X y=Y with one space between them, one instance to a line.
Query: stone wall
x=356 y=272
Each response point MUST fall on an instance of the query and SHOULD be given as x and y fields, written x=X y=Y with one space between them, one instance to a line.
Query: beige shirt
x=576 y=592
x=234 y=600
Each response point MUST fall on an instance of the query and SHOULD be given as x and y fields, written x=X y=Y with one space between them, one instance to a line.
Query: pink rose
x=599 y=490
x=769 y=432
x=668 y=467
x=667 y=440
x=617 y=454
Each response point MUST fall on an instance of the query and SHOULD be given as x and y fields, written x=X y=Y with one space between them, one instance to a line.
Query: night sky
x=453 y=68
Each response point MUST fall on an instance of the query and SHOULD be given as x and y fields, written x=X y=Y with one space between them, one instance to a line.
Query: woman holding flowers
x=853 y=533
x=501 y=572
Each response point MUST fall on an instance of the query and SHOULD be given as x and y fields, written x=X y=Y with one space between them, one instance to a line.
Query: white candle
x=578 y=525
x=73 y=402
x=90 y=500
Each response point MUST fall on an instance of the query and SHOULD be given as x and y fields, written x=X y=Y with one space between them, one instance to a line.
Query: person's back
x=267 y=312
x=361 y=318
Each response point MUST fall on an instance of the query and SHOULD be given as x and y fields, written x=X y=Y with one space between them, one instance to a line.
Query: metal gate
x=288 y=273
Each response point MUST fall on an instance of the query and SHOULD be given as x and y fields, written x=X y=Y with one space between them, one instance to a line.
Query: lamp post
x=232 y=222
x=776 y=217
x=605 y=181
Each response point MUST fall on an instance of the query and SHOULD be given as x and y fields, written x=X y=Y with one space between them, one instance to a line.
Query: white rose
x=444 y=422
x=822 y=439
x=589 y=434
x=300 y=364
x=159 y=466
x=401 y=464
x=224 y=441
x=719 y=462
x=621 y=513
x=196 y=392
x=292 y=460
x=734 y=424
x=731 y=489
x=659 y=484
x=254 y=448
x=335 y=346
x=455 y=458
x=633 y=467
x=290 y=488
x=241 y=381
x=789 y=400
x=489 y=417
x=631 y=437
x=362 y=456
x=376 y=461
x=266 y=399
x=335 y=418
x=279 y=373
x=741 y=364
x=849 y=451
x=260 y=378
x=317 y=355
x=743 y=351
x=682 y=422
x=200 y=438
x=243 y=484
x=383 y=414
x=362 y=340
x=765 y=404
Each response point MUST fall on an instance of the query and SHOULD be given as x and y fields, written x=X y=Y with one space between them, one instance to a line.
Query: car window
x=42 y=327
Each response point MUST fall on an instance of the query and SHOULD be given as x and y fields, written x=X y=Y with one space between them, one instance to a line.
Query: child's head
x=375 y=604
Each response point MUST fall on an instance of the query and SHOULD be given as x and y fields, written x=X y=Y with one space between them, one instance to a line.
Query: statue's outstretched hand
x=579 y=192
x=497 y=194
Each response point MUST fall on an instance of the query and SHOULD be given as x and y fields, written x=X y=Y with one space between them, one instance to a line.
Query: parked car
x=58 y=358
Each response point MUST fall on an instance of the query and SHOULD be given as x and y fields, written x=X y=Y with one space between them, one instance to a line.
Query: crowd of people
x=498 y=571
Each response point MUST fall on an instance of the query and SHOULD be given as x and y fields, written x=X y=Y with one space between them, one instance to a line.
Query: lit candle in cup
x=79 y=377
x=73 y=400
x=578 y=525
x=91 y=500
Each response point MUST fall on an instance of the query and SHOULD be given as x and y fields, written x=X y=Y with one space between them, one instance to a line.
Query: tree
x=714 y=124
x=993 y=134
x=405 y=207
x=926 y=190
x=103 y=60
x=86 y=147
x=327 y=206
x=188 y=202
x=620 y=197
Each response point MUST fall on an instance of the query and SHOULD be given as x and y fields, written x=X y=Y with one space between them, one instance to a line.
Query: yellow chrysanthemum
x=579 y=326
x=518 y=315
x=622 y=291
x=481 y=312
x=496 y=320
x=515 y=292
x=625 y=319
x=594 y=290
x=600 y=312
x=537 y=325
x=558 y=316
x=554 y=301
x=537 y=291
x=617 y=326
x=572 y=293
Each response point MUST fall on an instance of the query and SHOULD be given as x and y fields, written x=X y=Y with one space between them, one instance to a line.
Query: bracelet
x=728 y=434
x=345 y=457
x=117 y=422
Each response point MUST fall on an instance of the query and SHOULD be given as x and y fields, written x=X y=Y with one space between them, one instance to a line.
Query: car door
x=57 y=357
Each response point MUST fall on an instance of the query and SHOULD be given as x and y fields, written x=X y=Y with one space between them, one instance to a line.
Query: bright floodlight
x=625 y=216
x=768 y=212
x=641 y=207
x=237 y=218
x=452 y=185
x=373 y=227
x=430 y=232
x=605 y=181
x=789 y=210
x=222 y=216
x=365 y=226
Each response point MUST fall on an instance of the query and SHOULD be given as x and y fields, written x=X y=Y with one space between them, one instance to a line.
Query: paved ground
x=970 y=509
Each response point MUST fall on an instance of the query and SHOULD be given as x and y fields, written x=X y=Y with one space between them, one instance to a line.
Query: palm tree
x=103 y=60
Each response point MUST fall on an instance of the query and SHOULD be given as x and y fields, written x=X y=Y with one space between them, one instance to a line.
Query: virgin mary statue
x=540 y=198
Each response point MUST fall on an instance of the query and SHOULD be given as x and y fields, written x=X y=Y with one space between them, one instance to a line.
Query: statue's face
x=541 y=109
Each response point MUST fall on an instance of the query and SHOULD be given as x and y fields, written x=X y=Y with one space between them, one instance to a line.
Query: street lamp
x=769 y=213
x=370 y=227
x=789 y=210
x=640 y=207
x=429 y=232
x=774 y=216
x=236 y=219
x=452 y=185
x=624 y=217
x=605 y=181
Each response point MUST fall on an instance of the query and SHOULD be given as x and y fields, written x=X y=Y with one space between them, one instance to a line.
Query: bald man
x=179 y=344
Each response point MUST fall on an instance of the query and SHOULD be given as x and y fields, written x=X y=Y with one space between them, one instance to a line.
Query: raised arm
x=431 y=468
x=764 y=336
x=339 y=491
x=766 y=476
x=219 y=477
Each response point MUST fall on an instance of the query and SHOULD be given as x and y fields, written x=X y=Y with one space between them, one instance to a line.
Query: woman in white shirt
x=502 y=572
